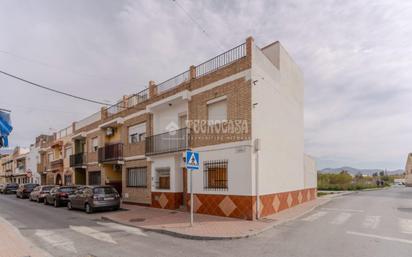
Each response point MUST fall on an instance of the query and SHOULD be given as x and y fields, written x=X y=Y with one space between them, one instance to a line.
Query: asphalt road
x=373 y=223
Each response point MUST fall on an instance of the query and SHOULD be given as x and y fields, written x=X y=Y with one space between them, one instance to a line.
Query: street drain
x=173 y=212
x=137 y=220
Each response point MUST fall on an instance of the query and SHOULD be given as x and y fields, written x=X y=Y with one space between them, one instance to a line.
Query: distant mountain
x=355 y=171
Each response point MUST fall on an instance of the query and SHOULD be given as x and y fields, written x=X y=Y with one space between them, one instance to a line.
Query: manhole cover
x=137 y=220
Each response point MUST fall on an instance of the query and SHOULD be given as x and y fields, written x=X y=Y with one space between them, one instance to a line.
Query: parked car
x=59 y=195
x=9 y=188
x=24 y=190
x=39 y=193
x=91 y=198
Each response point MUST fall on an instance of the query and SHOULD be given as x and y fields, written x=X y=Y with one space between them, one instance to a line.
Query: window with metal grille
x=137 y=177
x=215 y=175
x=94 y=178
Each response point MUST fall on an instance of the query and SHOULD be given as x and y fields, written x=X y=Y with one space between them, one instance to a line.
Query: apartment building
x=408 y=170
x=241 y=110
x=14 y=166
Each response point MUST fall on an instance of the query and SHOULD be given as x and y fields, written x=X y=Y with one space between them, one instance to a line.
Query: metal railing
x=173 y=82
x=111 y=152
x=64 y=132
x=173 y=141
x=221 y=60
x=87 y=121
x=215 y=175
x=78 y=159
x=129 y=102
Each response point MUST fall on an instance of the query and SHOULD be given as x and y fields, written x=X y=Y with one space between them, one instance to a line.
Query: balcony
x=111 y=153
x=56 y=164
x=41 y=168
x=169 y=142
x=78 y=160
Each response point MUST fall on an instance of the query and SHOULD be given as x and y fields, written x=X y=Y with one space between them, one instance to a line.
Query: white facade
x=273 y=161
x=32 y=160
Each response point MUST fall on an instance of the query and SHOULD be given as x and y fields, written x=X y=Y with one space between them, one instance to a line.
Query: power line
x=51 y=89
x=197 y=23
x=55 y=67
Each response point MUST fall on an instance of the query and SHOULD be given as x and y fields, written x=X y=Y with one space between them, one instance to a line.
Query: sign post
x=192 y=163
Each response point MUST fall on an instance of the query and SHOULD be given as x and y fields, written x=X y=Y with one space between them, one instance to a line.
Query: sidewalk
x=13 y=244
x=206 y=227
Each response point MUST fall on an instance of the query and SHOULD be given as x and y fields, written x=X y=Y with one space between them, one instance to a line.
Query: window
x=163 y=178
x=67 y=180
x=67 y=152
x=94 y=178
x=137 y=177
x=94 y=144
x=50 y=157
x=215 y=175
x=217 y=110
x=137 y=133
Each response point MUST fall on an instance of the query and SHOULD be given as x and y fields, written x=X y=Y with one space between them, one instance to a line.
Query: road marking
x=405 y=226
x=343 y=210
x=56 y=240
x=371 y=222
x=315 y=216
x=93 y=233
x=131 y=230
x=400 y=240
x=341 y=218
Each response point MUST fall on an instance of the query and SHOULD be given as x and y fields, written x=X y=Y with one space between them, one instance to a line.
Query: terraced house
x=241 y=110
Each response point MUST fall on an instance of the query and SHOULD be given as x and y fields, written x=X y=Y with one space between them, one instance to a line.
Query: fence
x=87 y=121
x=221 y=60
x=173 y=82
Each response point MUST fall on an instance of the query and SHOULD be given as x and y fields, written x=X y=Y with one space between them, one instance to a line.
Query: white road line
x=341 y=218
x=56 y=240
x=93 y=233
x=315 y=216
x=343 y=210
x=131 y=230
x=371 y=222
x=405 y=226
x=400 y=240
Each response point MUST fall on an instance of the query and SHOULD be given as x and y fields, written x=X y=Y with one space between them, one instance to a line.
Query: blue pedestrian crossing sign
x=192 y=160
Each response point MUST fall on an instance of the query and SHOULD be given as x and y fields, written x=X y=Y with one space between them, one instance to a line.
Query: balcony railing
x=173 y=141
x=221 y=60
x=173 y=82
x=130 y=102
x=56 y=164
x=78 y=160
x=110 y=153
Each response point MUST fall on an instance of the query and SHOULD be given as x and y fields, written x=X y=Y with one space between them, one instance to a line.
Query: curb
x=195 y=237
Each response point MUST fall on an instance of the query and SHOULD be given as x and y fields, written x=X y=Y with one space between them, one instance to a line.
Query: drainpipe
x=257 y=149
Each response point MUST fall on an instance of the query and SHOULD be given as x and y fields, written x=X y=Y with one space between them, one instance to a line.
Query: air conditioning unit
x=109 y=131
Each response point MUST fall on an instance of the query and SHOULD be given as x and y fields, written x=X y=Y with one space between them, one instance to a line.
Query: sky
x=356 y=57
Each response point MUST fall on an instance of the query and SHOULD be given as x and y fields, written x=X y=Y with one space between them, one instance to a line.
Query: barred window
x=215 y=175
x=94 y=178
x=137 y=177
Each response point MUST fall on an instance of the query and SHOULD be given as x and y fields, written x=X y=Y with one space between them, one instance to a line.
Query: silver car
x=91 y=198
